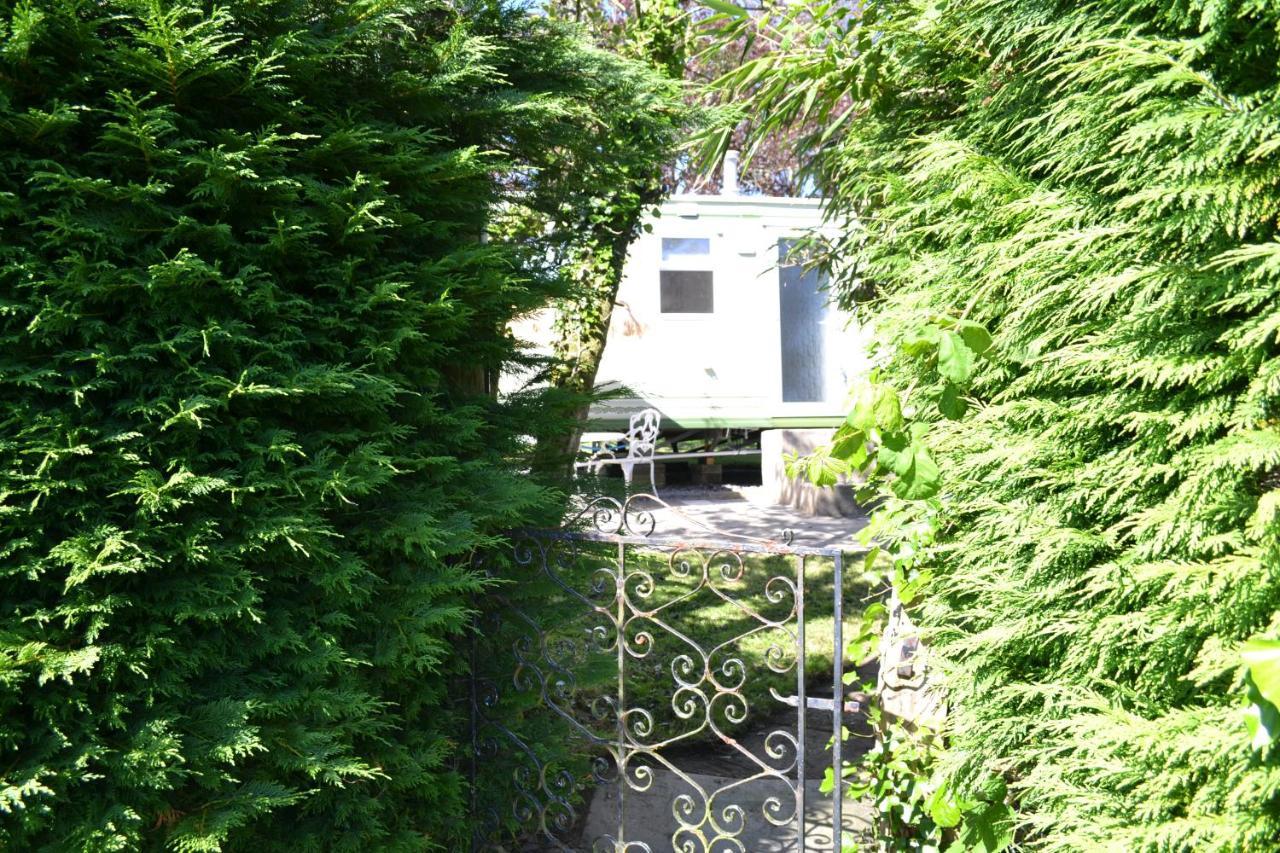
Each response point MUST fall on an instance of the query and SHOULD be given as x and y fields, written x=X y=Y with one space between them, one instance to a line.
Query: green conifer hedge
x=1098 y=184
x=246 y=323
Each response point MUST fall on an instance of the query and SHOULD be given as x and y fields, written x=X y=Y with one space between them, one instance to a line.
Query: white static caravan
x=736 y=348
x=716 y=330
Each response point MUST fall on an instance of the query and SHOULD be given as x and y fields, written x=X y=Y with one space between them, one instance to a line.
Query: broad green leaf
x=792 y=465
x=889 y=410
x=1262 y=656
x=975 y=336
x=724 y=8
x=876 y=406
x=894 y=452
x=951 y=404
x=850 y=445
x=875 y=612
x=823 y=470
x=955 y=359
x=923 y=480
x=866 y=495
x=1261 y=718
x=987 y=829
x=994 y=790
x=918 y=476
x=908 y=590
x=1265 y=518
x=866 y=636
x=943 y=807
x=820 y=475
x=923 y=341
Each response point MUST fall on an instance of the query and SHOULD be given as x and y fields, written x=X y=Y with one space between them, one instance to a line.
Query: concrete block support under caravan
x=800 y=494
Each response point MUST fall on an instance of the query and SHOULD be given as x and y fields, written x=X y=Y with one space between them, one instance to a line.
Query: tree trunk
x=583 y=327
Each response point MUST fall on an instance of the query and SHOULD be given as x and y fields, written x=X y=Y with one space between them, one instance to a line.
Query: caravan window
x=685 y=247
x=685 y=279
x=686 y=292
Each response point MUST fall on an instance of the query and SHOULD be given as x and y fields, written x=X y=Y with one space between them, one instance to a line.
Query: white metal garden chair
x=642 y=443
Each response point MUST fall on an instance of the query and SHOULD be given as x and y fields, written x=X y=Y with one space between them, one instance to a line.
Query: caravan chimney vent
x=730 y=185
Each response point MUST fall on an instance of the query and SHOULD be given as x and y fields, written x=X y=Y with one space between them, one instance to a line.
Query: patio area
x=747 y=511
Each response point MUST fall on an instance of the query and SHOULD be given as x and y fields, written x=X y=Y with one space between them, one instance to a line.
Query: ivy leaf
x=955 y=358
x=951 y=404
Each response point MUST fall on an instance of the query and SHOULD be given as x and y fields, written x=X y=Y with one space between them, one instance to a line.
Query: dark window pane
x=684 y=247
x=686 y=291
x=802 y=303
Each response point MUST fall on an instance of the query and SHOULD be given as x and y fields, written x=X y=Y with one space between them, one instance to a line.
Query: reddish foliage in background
x=665 y=32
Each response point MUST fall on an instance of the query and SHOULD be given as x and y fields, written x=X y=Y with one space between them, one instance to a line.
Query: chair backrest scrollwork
x=642 y=434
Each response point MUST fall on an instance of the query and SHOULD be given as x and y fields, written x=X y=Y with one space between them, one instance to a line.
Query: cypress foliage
x=1097 y=184
x=246 y=322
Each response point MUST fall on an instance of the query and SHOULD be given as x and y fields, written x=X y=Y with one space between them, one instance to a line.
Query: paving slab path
x=744 y=511
x=651 y=815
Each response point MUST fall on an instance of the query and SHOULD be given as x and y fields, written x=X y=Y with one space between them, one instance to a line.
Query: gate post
x=837 y=677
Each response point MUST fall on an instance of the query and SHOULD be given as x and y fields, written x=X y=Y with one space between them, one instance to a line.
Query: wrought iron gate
x=604 y=651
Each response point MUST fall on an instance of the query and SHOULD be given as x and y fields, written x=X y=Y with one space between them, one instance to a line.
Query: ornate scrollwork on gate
x=582 y=615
